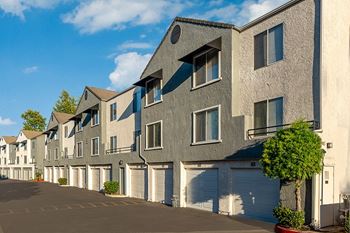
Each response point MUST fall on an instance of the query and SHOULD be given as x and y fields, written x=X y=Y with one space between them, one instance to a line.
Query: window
x=79 y=125
x=25 y=146
x=66 y=131
x=206 y=68
x=17 y=160
x=136 y=104
x=5 y=161
x=268 y=47
x=154 y=93
x=56 y=153
x=113 y=111
x=80 y=149
x=95 y=120
x=66 y=152
x=268 y=113
x=206 y=125
x=95 y=146
x=48 y=154
x=25 y=159
x=154 y=135
x=55 y=135
x=86 y=95
x=113 y=142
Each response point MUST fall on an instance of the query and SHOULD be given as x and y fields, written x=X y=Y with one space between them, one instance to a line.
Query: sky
x=47 y=46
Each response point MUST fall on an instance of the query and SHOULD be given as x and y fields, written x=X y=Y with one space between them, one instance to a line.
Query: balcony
x=120 y=150
x=267 y=131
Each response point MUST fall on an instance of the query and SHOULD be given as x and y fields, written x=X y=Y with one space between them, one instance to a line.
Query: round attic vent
x=175 y=34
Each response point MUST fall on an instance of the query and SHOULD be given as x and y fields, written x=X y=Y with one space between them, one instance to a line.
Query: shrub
x=62 y=181
x=347 y=224
x=111 y=187
x=289 y=218
x=37 y=176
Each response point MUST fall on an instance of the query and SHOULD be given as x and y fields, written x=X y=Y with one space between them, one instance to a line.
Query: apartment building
x=96 y=138
x=7 y=150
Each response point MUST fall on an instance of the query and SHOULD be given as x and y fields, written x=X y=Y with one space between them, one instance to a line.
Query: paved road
x=48 y=208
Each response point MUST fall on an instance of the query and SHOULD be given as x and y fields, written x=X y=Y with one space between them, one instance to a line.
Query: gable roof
x=102 y=94
x=31 y=134
x=9 y=139
x=62 y=117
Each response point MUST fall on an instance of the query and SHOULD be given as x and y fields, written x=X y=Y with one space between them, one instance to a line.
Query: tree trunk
x=298 y=184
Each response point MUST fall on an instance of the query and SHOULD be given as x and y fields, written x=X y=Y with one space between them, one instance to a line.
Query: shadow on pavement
x=17 y=190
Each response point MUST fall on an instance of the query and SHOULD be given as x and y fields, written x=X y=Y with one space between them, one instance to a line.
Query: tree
x=294 y=154
x=33 y=120
x=65 y=103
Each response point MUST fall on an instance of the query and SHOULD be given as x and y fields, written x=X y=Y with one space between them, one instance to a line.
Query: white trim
x=194 y=142
x=82 y=149
x=161 y=136
x=161 y=92
x=194 y=87
x=98 y=146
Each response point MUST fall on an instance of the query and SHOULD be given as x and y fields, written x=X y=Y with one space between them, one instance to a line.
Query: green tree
x=294 y=154
x=65 y=103
x=33 y=120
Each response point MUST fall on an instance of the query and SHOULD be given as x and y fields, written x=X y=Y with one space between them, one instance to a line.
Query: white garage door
x=254 y=195
x=163 y=185
x=95 y=179
x=26 y=174
x=16 y=174
x=139 y=183
x=107 y=174
x=62 y=172
x=57 y=174
x=202 y=189
x=50 y=174
x=83 y=177
x=75 y=177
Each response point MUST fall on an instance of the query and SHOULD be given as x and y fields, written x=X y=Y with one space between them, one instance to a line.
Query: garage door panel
x=75 y=178
x=254 y=194
x=95 y=178
x=139 y=183
x=83 y=177
x=202 y=189
x=163 y=185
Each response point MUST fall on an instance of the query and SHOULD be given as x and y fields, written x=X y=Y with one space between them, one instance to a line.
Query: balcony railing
x=265 y=131
x=120 y=150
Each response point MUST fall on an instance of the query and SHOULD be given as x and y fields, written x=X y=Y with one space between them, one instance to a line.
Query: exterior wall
x=38 y=153
x=70 y=140
x=127 y=121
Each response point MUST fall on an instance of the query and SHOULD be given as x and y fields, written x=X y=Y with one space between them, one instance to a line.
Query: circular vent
x=175 y=34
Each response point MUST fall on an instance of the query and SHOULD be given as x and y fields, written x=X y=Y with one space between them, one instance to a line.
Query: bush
x=38 y=176
x=62 y=181
x=347 y=224
x=111 y=187
x=289 y=218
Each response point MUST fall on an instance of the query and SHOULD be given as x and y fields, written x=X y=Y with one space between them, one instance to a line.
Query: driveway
x=45 y=207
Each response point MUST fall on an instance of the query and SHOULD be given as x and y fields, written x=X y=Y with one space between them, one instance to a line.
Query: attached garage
x=56 y=174
x=50 y=172
x=75 y=177
x=26 y=173
x=202 y=189
x=254 y=195
x=83 y=178
x=62 y=175
x=163 y=185
x=7 y=173
x=17 y=174
x=138 y=180
x=95 y=179
x=107 y=174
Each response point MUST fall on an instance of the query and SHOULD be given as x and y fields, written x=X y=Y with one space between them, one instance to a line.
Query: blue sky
x=50 y=45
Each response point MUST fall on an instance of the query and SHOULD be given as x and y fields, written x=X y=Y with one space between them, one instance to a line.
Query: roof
x=62 y=117
x=31 y=134
x=9 y=139
x=102 y=94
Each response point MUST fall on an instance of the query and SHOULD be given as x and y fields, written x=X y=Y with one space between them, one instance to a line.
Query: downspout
x=140 y=155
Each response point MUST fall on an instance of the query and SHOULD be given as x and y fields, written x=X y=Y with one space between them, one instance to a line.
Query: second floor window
x=113 y=142
x=80 y=149
x=17 y=160
x=268 y=47
x=206 y=125
x=25 y=160
x=113 y=111
x=154 y=92
x=95 y=146
x=268 y=113
x=56 y=154
x=154 y=135
x=95 y=119
x=206 y=68
x=25 y=146
x=66 y=152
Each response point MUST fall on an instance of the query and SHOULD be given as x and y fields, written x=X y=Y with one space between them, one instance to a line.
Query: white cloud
x=95 y=15
x=17 y=7
x=129 y=67
x=6 y=121
x=224 y=14
x=134 y=45
x=29 y=70
x=216 y=2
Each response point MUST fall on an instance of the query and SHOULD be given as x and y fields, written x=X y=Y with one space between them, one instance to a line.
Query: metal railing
x=265 y=131
x=121 y=150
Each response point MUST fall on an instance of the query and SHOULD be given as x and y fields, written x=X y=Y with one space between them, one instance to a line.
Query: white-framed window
x=268 y=47
x=153 y=91
x=95 y=117
x=267 y=114
x=56 y=153
x=79 y=125
x=113 y=112
x=95 y=146
x=17 y=160
x=25 y=159
x=206 y=68
x=80 y=149
x=113 y=142
x=66 y=152
x=154 y=135
x=207 y=125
